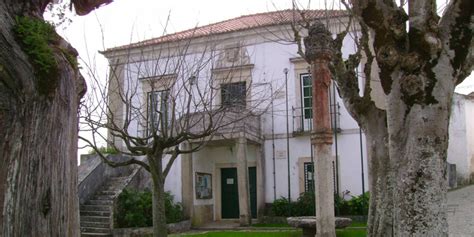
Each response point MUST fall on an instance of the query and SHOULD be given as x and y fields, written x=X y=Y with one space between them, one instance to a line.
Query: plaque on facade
x=281 y=154
x=203 y=186
x=230 y=181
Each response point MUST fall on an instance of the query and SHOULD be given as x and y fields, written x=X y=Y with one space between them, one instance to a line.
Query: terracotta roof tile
x=237 y=24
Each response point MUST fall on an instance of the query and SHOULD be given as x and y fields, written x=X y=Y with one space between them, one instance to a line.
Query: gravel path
x=461 y=212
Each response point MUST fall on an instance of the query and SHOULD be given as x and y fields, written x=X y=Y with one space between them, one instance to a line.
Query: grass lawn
x=270 y=225
x=358 y=224
x=351 y=233
x=295 y=233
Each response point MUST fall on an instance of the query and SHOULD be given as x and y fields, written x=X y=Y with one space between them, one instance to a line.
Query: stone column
x=187 y=183
x=243 y=182
x=319 y=52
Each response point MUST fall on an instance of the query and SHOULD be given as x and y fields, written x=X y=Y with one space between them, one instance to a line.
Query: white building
x=254 y=50
x=461 y=137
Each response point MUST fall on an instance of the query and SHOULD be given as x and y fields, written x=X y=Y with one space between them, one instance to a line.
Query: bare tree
x=157 y=101
x=418 y=58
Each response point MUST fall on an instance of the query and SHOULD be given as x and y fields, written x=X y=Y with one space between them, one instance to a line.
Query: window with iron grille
x=158 y=110
x=306 y=96
x=233 y=94
x=308 y=177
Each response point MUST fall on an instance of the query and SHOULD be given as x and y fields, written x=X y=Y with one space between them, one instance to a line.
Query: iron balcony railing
x=303 y=124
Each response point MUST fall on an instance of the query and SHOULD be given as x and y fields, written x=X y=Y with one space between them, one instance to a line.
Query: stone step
x=94 y=224
x=96 y=208
x=114 y=183
x=95 y=213
x=107 y=192
x=99 y=202
x=103 y=197
x=112 y=187
x=119 y=178
x=95 y=234
x=101 y=219
x=95 y=230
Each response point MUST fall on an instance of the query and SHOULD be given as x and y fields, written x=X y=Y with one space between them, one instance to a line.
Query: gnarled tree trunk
x=421 y=57
x=38 y=134
x=418 y=144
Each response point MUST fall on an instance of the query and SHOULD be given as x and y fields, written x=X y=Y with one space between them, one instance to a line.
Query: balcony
x=227 y=125
x=304 y=126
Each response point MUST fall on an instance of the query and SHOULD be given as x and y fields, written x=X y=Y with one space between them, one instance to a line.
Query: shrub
x=357 y=205
x=135 y=209
x=281 y=207
x=305 y=205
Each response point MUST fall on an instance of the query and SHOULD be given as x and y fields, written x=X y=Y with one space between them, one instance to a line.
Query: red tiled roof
x=237 y=24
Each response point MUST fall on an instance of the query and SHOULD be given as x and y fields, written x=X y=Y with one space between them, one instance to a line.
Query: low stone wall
x=272 y=220
x=92 y=173
x=357 y=218
x=145 y=231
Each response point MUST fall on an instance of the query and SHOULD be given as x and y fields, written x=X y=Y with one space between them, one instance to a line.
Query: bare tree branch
x=113 y=163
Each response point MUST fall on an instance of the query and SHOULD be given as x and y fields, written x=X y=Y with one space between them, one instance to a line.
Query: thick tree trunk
x=159 y=217
x=38 y=141
x=380 y=174
x=418 y=144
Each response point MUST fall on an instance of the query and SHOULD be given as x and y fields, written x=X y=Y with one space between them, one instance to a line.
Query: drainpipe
x=273 y=144
x=273 y=135
x=335 y=112
x=287 y=134
x=319 y=53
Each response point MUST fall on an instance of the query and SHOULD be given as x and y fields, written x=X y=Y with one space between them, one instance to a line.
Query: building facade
x=252 y=63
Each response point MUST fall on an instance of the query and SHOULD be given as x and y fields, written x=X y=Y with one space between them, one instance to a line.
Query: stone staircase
x=96 y=213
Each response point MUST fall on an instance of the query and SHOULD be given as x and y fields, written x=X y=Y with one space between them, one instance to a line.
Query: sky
x=126 y=21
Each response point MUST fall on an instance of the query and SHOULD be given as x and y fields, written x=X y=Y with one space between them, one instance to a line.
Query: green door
x=230 y=193
x=253 y=191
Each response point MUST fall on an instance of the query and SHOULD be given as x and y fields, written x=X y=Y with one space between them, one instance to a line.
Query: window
x=233 y=94
x=308 y=177
x=306 y=96
x=158 y=111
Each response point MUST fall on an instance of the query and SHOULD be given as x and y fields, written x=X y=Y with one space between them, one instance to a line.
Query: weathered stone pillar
x=243 y=182
x=319 y=52
x=187 y=184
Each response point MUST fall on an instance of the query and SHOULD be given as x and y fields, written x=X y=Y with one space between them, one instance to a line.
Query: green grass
x=358 y=224
x=295 y=233
x=351 y=233
x=270 y=225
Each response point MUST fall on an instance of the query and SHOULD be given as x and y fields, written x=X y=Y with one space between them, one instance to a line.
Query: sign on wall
x=203 y=186
x=280 y=154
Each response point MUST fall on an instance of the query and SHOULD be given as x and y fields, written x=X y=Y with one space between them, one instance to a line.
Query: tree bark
x=421 y=57
x=159 y=217
x=38 y=138
x=418 y=144
x=381 y=176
